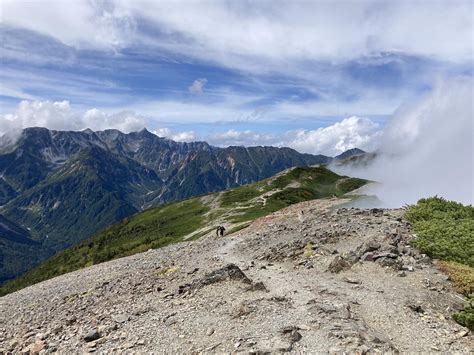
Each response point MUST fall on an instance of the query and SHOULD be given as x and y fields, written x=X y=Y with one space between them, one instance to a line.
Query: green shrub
x=466 y=316
x=445 y=230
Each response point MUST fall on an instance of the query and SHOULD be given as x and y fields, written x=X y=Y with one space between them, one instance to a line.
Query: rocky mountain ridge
x=309 y=278
x=65 y=186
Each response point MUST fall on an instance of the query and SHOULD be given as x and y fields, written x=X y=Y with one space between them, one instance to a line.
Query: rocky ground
x=309 y=278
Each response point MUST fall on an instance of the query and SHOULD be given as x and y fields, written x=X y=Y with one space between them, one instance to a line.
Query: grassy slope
x=445 y=230
x=191 y=219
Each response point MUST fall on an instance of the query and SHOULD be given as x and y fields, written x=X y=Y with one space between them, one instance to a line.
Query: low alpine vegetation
x=445 y=231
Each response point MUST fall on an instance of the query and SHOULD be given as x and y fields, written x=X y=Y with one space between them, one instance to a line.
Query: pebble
x=120 y=318
x=92 y=335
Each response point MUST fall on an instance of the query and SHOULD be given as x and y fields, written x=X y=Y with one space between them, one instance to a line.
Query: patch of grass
x=350 y=184
x=306 y=176
x=241 y=194
x=445 y=230
x=196 y=236
x=315 y=182
x=308 y=250
x=238 y=228
x=462 y=276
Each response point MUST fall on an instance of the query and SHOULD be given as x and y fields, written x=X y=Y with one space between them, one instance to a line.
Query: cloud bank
x=61 y=116
x=427 y=149
x=331 y=140
x=185 y=136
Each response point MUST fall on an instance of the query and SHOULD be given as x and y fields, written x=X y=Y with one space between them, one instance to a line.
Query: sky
x=318 y=76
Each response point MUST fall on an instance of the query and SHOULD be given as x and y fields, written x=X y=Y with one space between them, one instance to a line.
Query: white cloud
x=78 y=23
x=329 y=31
x=334 y=139
x=60 y=116
x=197 y=87
x=352 y=132
x=427 y=148
x=184 y=136
x=349 y=133
x=126 y=121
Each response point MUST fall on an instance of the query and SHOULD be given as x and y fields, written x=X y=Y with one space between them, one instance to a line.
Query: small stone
x=236 y=345
x=338 y=264
x=38 y=346
x=462 y=333
x=367 y=257
x=92 y=335
x=28 y=335
x=352 y=281
x=304 y=327
x=210 y=331
x=91 y=344
x=13 y=344
x=416 y=308
x=120 y=318
x=28 y=349
x=257 y=286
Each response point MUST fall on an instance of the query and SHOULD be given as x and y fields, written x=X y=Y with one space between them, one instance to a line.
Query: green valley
x=191 y=219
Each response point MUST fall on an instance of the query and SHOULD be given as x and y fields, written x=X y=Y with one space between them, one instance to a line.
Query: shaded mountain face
x=64 y=186
x=18 y=251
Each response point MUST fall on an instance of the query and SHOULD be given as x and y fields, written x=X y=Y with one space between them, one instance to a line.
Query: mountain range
x=58 y=188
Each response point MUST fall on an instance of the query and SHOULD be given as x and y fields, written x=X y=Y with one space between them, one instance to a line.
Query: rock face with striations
x=266 y=288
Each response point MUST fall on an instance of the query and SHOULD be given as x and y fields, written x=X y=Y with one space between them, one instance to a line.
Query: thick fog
x=426 y=149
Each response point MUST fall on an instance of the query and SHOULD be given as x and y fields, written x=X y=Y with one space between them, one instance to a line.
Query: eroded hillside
x=307 y=278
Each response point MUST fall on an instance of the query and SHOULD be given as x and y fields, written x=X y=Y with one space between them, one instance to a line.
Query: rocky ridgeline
x=310 y=278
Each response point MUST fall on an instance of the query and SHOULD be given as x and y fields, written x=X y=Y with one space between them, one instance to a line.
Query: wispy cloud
x=340 y=31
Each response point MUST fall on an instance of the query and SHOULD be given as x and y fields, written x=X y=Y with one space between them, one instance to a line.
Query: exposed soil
x=309 y=278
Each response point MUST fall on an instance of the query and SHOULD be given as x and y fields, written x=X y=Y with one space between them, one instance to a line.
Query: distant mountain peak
x=349 y=153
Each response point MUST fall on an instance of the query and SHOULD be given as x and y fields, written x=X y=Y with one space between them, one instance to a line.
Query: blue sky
x=228 y=72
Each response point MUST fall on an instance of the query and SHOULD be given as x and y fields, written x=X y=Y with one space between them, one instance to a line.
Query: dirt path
x=365 y=304
x=309 y=278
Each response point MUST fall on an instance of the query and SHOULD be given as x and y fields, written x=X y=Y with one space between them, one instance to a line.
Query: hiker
x=220 y=231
